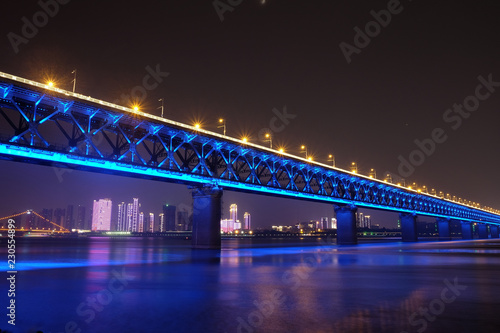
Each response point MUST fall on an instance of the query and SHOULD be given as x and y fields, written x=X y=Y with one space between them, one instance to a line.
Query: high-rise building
x=151 y=222
x=325 y=223
x=80 y=218
x=182 y=220
x=140 y=227
x=368 y=221
x=334 y=223
x=233 y=212
x=135 y=214
x=169 y=214
x=130 y=209
x=70 y=221
x=121 y=223
x=101 y=215
x=247 y=221
x=161 y=218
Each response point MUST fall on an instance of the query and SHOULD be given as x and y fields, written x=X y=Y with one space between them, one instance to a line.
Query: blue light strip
x=146 y=172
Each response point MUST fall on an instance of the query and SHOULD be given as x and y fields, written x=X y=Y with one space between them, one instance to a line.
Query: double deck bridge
x=50 y=126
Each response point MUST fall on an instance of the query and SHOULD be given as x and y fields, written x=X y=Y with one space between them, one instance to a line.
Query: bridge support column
x=494 y=231
x=444 y=228
x=206 y=217
x=409 y=227
x=467 y=232
x=482 y=230
x=346 y=225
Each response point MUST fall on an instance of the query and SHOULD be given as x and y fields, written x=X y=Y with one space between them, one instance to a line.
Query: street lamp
x=197 y=125
x=161 y=107
x=222 y=121
x=244 y=139
x=269 y=139
x=354 y=167
x=331 y=158
x=74 y=79
x=388 y=178
x=303 y=149
x=373 y=173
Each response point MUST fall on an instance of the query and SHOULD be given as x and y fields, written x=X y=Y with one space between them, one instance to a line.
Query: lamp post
x=222 y=121
x=74 y=79
x=303 y=149
x=331 y=158
x=269 y=139
x=161 y=107
x=354 y=167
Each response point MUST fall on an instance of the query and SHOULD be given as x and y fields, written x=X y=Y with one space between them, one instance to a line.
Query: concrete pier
x=444 y=228
x=483 y=231
x=467 y=232
x=408 y=227
x=346 y=224
x=206 y=217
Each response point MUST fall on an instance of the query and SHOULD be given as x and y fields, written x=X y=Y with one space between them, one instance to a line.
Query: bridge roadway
x=50 y=126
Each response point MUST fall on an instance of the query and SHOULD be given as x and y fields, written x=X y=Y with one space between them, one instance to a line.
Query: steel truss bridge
x=50 y=126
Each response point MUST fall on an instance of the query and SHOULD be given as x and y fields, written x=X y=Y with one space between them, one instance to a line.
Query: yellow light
x=221 y=120
x=302 y=147
x=281 y=150
x=330 y=156
x=267 y=135
x=310 y=158
x=50 y=84
x=136 y=108
x=419 y=190
x=371 y=176
x=197 y=126
x=244 y=140
x=409 y=187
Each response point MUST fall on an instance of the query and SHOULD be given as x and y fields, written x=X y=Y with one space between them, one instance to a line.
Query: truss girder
x=90 y=131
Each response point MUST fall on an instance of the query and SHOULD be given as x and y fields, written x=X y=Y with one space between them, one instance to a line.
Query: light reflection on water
x=324 y=288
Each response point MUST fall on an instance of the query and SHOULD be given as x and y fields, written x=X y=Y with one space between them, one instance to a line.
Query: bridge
x=46 y=125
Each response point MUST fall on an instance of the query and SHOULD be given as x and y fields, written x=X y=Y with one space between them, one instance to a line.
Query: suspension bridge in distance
x=50 y=126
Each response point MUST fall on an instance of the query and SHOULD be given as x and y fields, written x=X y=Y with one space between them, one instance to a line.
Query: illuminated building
x=135 y=214
x=140 y=227
x=233 y=212
x=247 y=219
x=101 y=215
x=121 y=224
x=151 y=222
x=162 y=222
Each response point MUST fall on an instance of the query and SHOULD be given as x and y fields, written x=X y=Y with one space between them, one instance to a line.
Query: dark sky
x=395 y=90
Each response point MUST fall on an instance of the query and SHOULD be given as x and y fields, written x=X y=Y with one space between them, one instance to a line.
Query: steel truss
x=48 y=125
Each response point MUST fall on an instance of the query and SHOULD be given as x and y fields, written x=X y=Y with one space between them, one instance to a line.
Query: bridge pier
x=206 y=217
x=409 y=231
x=467 y=232
x=444 y=228
x=482 y=230
x=494 y=231
x=346 y=224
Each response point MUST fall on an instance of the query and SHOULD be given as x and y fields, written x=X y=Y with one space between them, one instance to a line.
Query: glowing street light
x=136 y=108
x=354 y=167
x=303 y=149
x=222 y=121
x=50 y=84
x=372 y=174
x=197 y=125
x=244 y=139
x=331 y=158
x=310 y=158
x=281 y=150
x=269 y=139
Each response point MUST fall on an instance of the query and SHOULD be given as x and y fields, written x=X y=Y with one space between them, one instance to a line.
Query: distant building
x=101 y=215
x=135 y=214
x=334 y=223
x=70 y=221
x=233 y=212
x=121 y=223
x=182 y=221
x=247 y=220
x=80 y=218
x=161 y=219
x=140 y=227
x=169 y=214
x=151 y=222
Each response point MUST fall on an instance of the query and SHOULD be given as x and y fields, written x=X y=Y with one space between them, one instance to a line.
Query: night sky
x=395 y=88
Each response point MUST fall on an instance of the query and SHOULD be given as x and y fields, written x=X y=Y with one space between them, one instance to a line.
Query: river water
x=266 y=285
